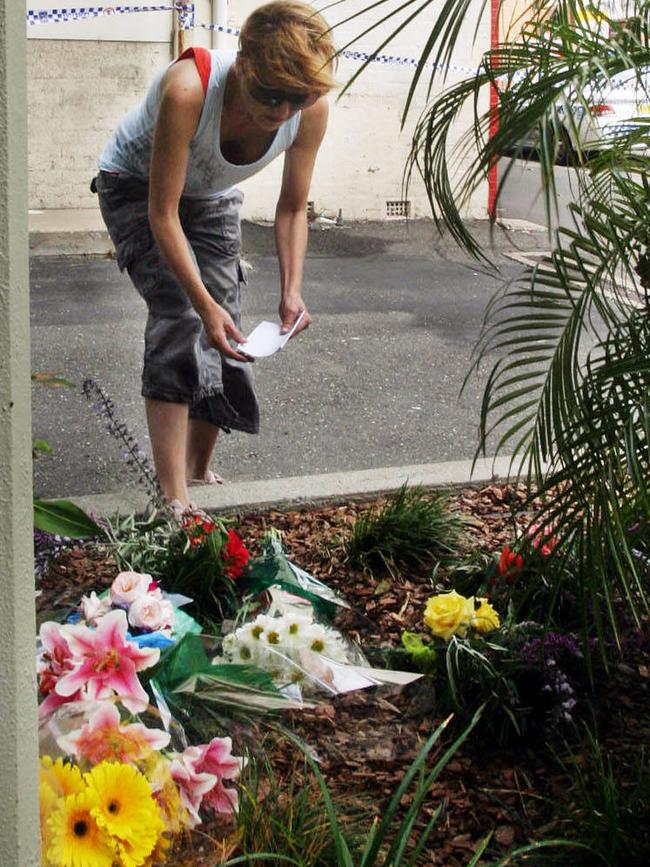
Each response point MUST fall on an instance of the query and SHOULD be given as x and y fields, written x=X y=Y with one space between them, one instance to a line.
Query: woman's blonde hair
x=287 y=45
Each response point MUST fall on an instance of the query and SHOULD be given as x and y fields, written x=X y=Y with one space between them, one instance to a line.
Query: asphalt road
x=374 y=382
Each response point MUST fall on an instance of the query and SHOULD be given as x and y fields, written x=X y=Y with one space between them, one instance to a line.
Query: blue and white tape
x=186 y=20
x=387 y=59
x=82 y=13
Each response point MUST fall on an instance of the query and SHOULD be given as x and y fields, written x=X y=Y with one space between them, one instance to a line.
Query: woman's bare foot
x=210 y=478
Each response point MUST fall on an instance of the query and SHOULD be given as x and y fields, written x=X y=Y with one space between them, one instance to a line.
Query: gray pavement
x=373 y=384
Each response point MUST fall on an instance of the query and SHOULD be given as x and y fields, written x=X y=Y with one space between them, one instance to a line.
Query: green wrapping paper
x=185 y=669
x=274 y=567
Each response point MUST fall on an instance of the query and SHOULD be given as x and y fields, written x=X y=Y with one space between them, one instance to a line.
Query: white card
x=265 y=339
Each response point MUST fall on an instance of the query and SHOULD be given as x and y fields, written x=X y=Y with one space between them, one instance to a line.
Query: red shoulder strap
x=203 y=60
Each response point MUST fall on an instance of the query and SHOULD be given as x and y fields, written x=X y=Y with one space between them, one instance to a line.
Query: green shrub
x=412 y=529
x=289 y=820
x=610 y=806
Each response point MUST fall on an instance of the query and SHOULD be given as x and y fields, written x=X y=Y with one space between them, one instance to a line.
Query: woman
x=167 y=193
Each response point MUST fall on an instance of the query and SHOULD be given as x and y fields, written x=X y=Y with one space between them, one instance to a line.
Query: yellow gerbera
x=74 y=837
x=126 y=809
x=62 y=777
x=49 y=801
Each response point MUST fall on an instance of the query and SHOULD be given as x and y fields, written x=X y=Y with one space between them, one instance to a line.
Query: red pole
x=494 y=114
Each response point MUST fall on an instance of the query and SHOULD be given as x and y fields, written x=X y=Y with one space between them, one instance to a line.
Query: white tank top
x=209 y=175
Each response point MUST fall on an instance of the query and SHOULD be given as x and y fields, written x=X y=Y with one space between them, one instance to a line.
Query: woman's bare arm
x=291 y=212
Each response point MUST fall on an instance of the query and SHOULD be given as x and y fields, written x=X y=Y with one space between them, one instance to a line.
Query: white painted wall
x=82 y=83
x=362 y=159
x=77 y=92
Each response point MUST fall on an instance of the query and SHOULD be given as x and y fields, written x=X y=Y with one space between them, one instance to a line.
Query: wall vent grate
x=398 y=208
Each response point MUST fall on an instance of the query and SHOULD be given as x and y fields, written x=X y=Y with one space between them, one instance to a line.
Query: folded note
x=265 y=339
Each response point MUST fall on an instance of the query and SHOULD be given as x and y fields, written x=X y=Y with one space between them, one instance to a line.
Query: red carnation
x=235 y=555
x=510 y=564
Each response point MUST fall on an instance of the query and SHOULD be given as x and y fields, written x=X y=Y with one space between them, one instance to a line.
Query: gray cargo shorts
x=179 y=364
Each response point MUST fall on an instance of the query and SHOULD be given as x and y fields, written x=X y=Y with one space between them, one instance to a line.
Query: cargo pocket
x=124 y=204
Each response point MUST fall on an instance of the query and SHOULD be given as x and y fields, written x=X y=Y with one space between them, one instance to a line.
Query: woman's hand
x=219 y=326
x=291 y=306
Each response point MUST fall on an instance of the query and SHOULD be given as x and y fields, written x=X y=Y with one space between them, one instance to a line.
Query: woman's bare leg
x=168 y=424
x=201 y=440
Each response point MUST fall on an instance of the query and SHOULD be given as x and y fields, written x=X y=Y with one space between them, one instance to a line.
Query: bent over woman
x=167 y=192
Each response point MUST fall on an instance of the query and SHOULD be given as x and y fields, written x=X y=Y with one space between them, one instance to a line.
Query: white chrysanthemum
x=326 y=641
x=295 y=631
x=241 y=649
x=276 y=644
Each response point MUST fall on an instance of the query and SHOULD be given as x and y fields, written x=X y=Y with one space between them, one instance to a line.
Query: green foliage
x=184 y=559
x=568 y=393
x=195 y=566
x=423 y=655
x=51 y=380
x=413 y=529
x=389 y=840
x=531 y=683
x=289 y=820
x=63 y=518
x=543 y=589
x=40 y=447
x=609 y=809
x=139 y=544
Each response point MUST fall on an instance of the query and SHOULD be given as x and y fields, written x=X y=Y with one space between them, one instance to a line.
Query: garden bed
x=364 y=741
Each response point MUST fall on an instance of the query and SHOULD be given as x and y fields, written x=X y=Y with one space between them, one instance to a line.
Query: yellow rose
x=448 y=614
x=485 y=618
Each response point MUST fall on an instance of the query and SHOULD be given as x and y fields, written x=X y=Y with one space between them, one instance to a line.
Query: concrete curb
x=91 y=243
x=300 y=491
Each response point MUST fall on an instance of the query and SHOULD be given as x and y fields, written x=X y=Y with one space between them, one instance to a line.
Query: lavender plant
x=47 y=548
x=134 y=455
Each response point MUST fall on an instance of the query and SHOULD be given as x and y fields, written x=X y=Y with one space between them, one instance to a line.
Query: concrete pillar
x=19 y=843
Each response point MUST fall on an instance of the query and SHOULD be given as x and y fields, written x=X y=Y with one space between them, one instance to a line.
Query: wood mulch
x=364 y=741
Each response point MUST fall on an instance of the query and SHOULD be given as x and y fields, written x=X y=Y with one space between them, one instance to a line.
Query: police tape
x=363 y=56
x=187 y=22
x=83 y=13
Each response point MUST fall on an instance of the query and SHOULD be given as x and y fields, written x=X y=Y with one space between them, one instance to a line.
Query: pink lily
x=192 y=784
x=105 y=738
x=106 y=663
x=222 y=800
x=216 y=758
x=54 y=662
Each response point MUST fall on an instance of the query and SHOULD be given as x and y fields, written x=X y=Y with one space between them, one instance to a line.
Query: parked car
x=607 y=112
